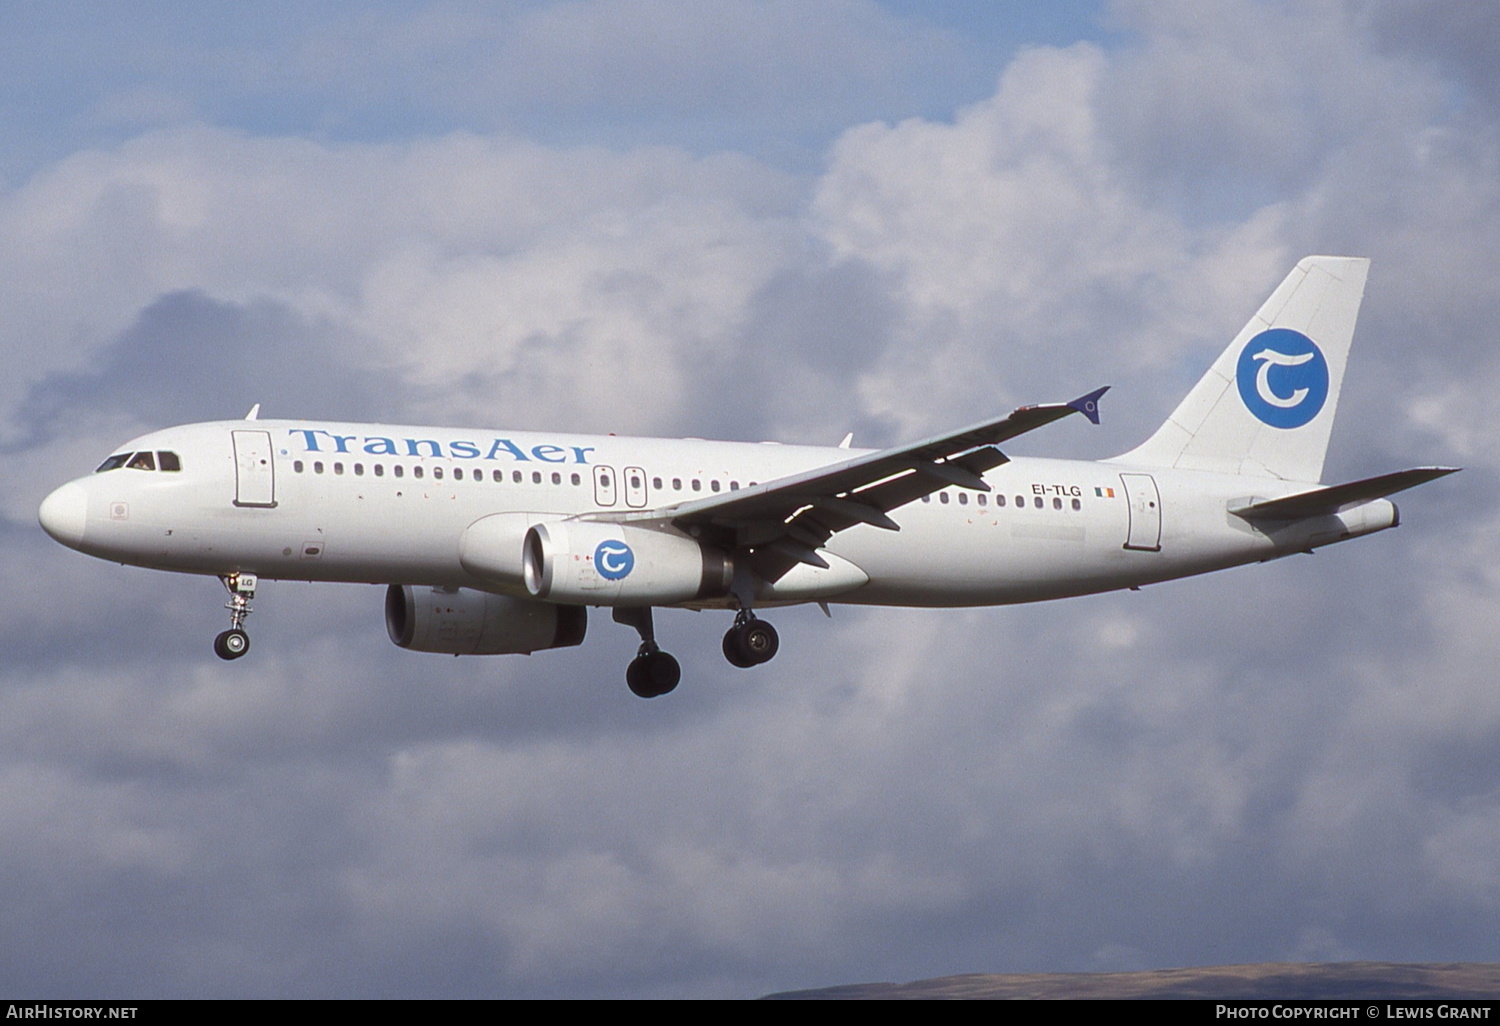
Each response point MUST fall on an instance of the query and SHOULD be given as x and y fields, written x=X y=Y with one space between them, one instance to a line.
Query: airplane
x=498 y=542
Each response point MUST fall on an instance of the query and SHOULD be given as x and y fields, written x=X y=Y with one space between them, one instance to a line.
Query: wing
x=787 y=520
x=1333 y=499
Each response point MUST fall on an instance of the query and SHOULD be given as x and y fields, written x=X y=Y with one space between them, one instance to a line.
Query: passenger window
x=458 y=473
x=113 y=463
x=1077 y=504
x=963 y=498
x=338 y=468
x=656 y=483
x=1037 y=502
x=297 y=466
x=317 y=466
x=575 y=479
x=142 y=461
x=999 y=500
x=359 y=470
x=697 y=485
x=498 y=476
x=714 y=485
x=1056 y=503
x=734 y=486
x=416 y=472
x=943 y=498
x=982 y=499
x=168 y=461
x=536 y=477
x=398 y=470
x=515 y=476
x=677 y=484
x=927 y=498
x=556 y=478
x=380 y=470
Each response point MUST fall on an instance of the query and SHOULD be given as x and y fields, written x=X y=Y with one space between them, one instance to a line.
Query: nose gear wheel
x=235 y=642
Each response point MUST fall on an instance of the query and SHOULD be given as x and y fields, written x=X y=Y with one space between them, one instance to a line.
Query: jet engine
x=460 y=621
x=606 y=564
x=491 y=549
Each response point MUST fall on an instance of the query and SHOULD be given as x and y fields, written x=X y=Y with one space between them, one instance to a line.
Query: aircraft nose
x=64 y=514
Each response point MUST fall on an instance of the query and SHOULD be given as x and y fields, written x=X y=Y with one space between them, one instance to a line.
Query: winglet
x=1088 y=405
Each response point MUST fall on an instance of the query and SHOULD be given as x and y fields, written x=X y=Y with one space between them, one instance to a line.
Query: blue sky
x=745 y=220
x=92 y=74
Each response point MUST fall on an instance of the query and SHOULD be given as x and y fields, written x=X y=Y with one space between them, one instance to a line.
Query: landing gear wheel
x=231 y=644
x=652 y=674
x=751 y=643
x=759 y=641
x=234 y=642
x=732 y=650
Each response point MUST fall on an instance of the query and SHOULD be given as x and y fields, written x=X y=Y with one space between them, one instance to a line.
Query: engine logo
x=614 y=560
x=1283 y=378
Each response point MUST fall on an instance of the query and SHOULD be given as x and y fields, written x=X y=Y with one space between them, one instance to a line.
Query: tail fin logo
x=1283 y=378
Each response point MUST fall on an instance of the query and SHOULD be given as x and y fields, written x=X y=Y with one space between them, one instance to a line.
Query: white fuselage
x=321 y=501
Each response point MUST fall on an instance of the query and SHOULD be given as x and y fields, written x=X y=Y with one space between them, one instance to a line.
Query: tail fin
x=1265 y=408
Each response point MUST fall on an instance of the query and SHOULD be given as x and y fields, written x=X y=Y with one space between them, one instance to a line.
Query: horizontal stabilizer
x=1324 y=501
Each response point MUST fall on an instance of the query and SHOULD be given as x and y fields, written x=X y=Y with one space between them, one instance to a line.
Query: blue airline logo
x=319 y=440
x=614 y=560
x=1283 y=378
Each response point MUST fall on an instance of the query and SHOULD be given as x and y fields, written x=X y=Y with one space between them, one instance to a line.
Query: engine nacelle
x=491 y=548
x=465 y=622
x=604 y=564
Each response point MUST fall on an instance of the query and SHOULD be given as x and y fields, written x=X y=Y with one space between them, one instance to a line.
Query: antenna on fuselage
x=254 y=412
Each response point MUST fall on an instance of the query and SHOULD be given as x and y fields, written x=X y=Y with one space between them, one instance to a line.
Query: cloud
x=479 y=273
x=189 y=357
x=1459 y=40
x=770 y=76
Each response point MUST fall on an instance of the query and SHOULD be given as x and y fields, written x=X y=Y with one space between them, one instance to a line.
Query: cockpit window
x=141 y=461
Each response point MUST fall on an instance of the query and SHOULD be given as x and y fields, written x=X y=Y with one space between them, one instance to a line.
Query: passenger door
x=254 y=471
x=1145 y=512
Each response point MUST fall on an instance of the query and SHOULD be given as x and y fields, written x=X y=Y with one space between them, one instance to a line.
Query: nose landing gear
x=235 y=642
x=750 y=641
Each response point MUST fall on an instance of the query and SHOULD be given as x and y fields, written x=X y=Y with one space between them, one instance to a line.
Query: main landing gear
x=233 y=643
x=750 y=641
x=652 y=672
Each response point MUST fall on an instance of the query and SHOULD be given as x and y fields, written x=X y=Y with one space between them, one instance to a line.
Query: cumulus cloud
x=1281 y=762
